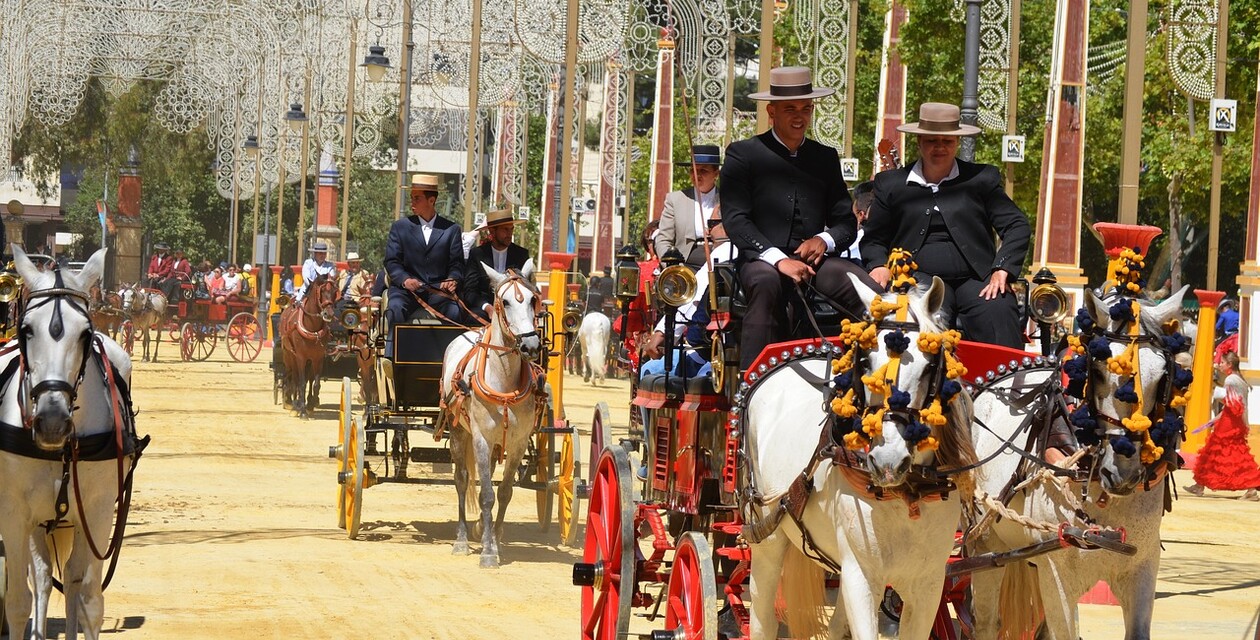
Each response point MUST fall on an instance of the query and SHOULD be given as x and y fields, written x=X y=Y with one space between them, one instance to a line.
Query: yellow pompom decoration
x=880 y=309
x=928 y=444
x=1151 y=452
x=1180 y=399
x=953 y=368
x=873 y=424
x=843 y=406
x=845 y=363
x=930 y=343
x=877 y=382
x=933 y=415
x=1074 y=344
x=853 y=441
x=1138 y=422
x=1126 y=363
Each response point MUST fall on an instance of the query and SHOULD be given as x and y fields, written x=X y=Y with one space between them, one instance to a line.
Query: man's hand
x=795 y=269
x=447 y=286
x=881 y=275
x=655 y=345
x=812 y=251
x=997 y=285
x=411 y=284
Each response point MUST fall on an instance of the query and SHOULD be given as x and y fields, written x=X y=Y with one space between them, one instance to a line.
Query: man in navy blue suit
x=424 y=257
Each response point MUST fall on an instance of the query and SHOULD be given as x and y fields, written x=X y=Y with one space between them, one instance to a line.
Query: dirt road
x=233 y=535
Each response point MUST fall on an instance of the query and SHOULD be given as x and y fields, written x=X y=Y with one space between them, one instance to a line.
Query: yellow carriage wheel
x=354 y=478
x=568 y=500
x=338 y=452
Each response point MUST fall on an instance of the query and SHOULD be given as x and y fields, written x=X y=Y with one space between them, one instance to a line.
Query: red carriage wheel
x=601 y=430
x=187 y=336
x=244 y=337
x=127 y=336
x=606 y=573
x=174 y=330
x=204 y=341
x=691 y=610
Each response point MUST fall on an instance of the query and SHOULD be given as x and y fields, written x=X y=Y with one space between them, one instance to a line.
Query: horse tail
x=801 y=595
x=1019 y=602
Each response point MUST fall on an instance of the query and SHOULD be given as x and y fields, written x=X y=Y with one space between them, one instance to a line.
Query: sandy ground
x=233 y=535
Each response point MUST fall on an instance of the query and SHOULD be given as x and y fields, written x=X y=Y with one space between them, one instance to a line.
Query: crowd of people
x=169 y=271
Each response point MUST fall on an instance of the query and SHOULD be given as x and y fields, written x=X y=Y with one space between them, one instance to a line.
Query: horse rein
x=319 y=333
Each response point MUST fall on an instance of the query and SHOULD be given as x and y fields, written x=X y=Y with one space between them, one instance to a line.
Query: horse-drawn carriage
x=895 y=456
x=196 y=324
x=375 y=445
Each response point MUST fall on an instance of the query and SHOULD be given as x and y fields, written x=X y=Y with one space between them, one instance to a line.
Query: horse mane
x=956 y=449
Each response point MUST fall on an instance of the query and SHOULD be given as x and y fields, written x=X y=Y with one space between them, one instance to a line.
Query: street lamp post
x=970 y=106
x=252 y=148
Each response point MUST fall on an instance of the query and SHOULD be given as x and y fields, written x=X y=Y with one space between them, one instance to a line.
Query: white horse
x=900 y=541
x=594 y=334
x=55 y=402
x=1126 y=493
x=490 y=393
x=147 y=310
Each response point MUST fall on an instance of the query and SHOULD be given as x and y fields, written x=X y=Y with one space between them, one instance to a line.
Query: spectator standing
x=1225 y=462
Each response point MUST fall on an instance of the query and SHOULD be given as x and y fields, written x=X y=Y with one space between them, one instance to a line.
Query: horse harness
x=322 y=333
x=118 y=444
x=532 y=374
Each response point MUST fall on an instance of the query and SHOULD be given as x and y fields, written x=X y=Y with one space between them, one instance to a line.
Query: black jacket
x=476 y=290
x=407 y=255
x=974 y=206
x=763 y=188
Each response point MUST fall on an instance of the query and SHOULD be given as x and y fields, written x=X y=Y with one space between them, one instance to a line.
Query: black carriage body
x=417 y=366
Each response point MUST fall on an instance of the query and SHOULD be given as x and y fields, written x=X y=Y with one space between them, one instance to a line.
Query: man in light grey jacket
x=683 y=224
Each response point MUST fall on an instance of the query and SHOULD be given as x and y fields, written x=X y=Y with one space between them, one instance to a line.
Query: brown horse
x=147 y=310
x=303 y=336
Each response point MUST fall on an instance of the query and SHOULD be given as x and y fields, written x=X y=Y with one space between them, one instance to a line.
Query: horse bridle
x=76 y=300
x=516 y=281
x=934 y=373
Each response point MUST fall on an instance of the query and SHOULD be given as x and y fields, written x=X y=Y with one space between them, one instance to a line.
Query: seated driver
x=424 y=257
x=500 y=254
x=947 y=211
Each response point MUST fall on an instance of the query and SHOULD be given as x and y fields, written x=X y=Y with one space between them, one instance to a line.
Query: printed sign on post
x=849 y=169
x=1224 y=115
x=522 y=213
x=479 y=219
x=1013 y=148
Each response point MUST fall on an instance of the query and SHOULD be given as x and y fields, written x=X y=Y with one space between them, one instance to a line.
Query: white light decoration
x=1192 y=46
x=823 y=29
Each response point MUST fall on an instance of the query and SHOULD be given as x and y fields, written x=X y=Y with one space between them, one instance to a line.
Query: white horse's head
x=911 y=412
x=516 y=306
x=1131 y=382
x=54 y=336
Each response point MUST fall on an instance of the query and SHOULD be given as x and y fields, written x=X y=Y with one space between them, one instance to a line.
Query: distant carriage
x=198 y=325
x=375 y=443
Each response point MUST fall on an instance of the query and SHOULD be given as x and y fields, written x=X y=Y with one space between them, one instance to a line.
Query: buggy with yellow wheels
x=374 y=444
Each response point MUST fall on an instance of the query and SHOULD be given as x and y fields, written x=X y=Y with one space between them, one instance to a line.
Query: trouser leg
x=832 y=280
x=993 y=321
x=766 y=319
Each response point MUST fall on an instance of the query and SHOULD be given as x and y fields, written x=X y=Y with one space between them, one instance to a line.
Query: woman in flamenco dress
x=1225 y=462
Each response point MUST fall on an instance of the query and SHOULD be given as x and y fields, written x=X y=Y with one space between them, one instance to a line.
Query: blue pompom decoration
x=1123 y=446
x=1182 y=377
x=1076 y=369
x=1086 y=426
x=949 y=389
x=1126 y=393
x=1099 y=348
x=1165 y=430
x=1075 y=388
x=1176 y=343
x=897 y=342
x=1122 y=311
x=1083 y=320
x=916 y=431
x=844 y=381
x=898 y=399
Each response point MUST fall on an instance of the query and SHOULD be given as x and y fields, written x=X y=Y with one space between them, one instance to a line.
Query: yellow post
x=558 y=263
x=274 y=307
x=1199 y=409
x=297 y=276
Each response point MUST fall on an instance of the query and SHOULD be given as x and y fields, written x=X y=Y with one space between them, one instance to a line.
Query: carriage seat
x=700 y=386
x=659 y=383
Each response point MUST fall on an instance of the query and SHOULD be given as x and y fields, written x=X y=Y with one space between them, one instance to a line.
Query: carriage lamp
x=251 y=145
x=627 y=273
x=376 y=63
x=1048 y=305
x=295 y=116
x=676 y=285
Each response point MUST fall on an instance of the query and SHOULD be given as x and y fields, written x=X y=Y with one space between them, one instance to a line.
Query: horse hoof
x=460 y=549
x=489 y=562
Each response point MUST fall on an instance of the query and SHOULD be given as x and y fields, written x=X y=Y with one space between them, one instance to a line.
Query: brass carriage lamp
x=251 y=146
x=627 y=273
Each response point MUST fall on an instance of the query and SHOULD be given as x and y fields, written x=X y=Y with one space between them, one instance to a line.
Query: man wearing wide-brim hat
x=160 y=265
x=498 y=253
x=683 y=223
x=316 y=265
x=947 y=212
x=786 y=207
x=423 y=257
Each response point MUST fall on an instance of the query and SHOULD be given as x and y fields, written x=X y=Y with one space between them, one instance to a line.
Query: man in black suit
x=500 y=254
x=424 y=256
x=947 y=211
x=787 y=209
